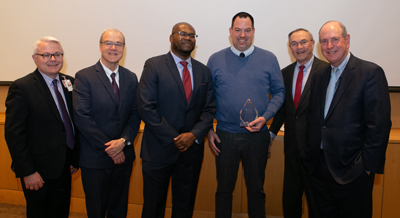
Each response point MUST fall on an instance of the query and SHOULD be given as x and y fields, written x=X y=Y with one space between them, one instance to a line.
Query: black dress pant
x=294 y=185
x=107 y=191
x=184 y=179
x=334 y=200
x=53 y=199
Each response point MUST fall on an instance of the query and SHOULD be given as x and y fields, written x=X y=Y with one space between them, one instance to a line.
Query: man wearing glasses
x=40 y=134
x=243 y=72
x=177 y=105
x=105 y=109
x=297 y=77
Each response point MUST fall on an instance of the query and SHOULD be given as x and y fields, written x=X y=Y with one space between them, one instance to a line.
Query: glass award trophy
x=248 y=113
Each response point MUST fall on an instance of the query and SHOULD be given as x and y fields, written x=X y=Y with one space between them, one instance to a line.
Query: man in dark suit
x=297 y=77
x=348 y=128
x=40 y=134
x=176 y=103
x=105 y=108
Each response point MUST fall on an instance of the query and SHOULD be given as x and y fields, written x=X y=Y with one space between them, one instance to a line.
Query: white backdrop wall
x=372 y=25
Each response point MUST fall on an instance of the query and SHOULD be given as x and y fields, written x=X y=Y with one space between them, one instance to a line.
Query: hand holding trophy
x=248 y=113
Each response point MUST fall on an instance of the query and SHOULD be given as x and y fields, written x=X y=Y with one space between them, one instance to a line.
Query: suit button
x=323 y=127
x=297 y=117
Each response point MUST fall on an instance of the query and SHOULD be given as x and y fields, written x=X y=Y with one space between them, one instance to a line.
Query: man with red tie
x=176 y=103
x=297 y=77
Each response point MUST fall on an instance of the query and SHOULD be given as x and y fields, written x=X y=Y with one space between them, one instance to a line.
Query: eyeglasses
x=185 y=34
x=48 y=56
x=111 y=43
x=302 y=43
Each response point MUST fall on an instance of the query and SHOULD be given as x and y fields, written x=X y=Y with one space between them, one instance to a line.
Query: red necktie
x=299 y=83
x=187 y=82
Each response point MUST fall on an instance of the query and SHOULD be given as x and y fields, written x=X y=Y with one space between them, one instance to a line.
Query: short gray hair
x=112 y=30
x=301 y=29
x=45 y=39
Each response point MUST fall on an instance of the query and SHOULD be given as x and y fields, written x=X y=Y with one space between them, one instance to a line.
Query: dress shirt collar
x=177 y=59
x=246 y=53
x=109 y=72
x=49 y=80
x=306 y=66
x=343 y=64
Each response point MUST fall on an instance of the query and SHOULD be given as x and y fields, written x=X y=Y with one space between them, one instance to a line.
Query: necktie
x=331 y=89
x=186 y=80
x=242 y=55
x=115 y=87
x=299 y=83
x=65 y=117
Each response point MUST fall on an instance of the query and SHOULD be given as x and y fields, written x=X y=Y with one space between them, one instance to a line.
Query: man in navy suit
x=297 y=77
x=40 y=135
x=105 y=109
x=347 y=129
x=177 y=105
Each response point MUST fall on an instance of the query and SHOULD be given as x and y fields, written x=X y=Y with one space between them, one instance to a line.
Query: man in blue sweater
x=243 y=72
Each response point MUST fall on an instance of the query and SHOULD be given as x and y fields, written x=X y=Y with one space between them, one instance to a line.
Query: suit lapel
x=347 y=75
x=289 y=85
x=307 y=87
x=101 y=74
x=196 y=79
x=175 y=74
x=44 y=89
x=68 y=97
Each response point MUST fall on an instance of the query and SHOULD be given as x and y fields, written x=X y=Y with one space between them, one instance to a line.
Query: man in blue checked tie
x=40 y=134
x=176 y=102
x=106 y=114
x=348 y=129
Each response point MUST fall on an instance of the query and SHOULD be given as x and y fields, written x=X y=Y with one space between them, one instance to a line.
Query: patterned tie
x=299 y=83
x=186 y=80
x=115 y=87
x=242 y=55
x=67 y=121
x=331 y=89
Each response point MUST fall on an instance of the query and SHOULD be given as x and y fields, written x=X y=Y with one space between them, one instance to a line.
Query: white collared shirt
x=306 y=74
x=180 y=66
x=109 y=72
x=246 y=53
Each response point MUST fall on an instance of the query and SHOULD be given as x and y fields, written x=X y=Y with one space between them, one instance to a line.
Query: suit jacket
x=100 y=119
x=295 y=119
x=165 y=112
x=34 y=129
x=356 y=129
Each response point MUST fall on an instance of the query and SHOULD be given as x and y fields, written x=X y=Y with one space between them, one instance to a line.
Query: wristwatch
x=126 y=142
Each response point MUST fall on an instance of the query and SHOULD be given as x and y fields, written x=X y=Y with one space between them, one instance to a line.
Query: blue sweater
x=237 y=79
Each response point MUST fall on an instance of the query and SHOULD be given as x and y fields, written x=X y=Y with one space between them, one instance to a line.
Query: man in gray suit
x=297 y=77
x=105 y=109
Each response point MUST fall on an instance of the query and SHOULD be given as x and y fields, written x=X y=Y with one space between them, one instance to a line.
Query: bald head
x=183 y=40
x=334 y=22
x=177 y=27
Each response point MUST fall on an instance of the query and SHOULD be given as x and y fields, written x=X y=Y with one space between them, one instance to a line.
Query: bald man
x=176 y=102
x=348 y=128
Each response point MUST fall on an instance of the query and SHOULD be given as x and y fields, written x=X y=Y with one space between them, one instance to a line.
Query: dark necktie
x=115 y=87
x=242 y=55
x=186 y=80
x=299 y=83
x=67 y=121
